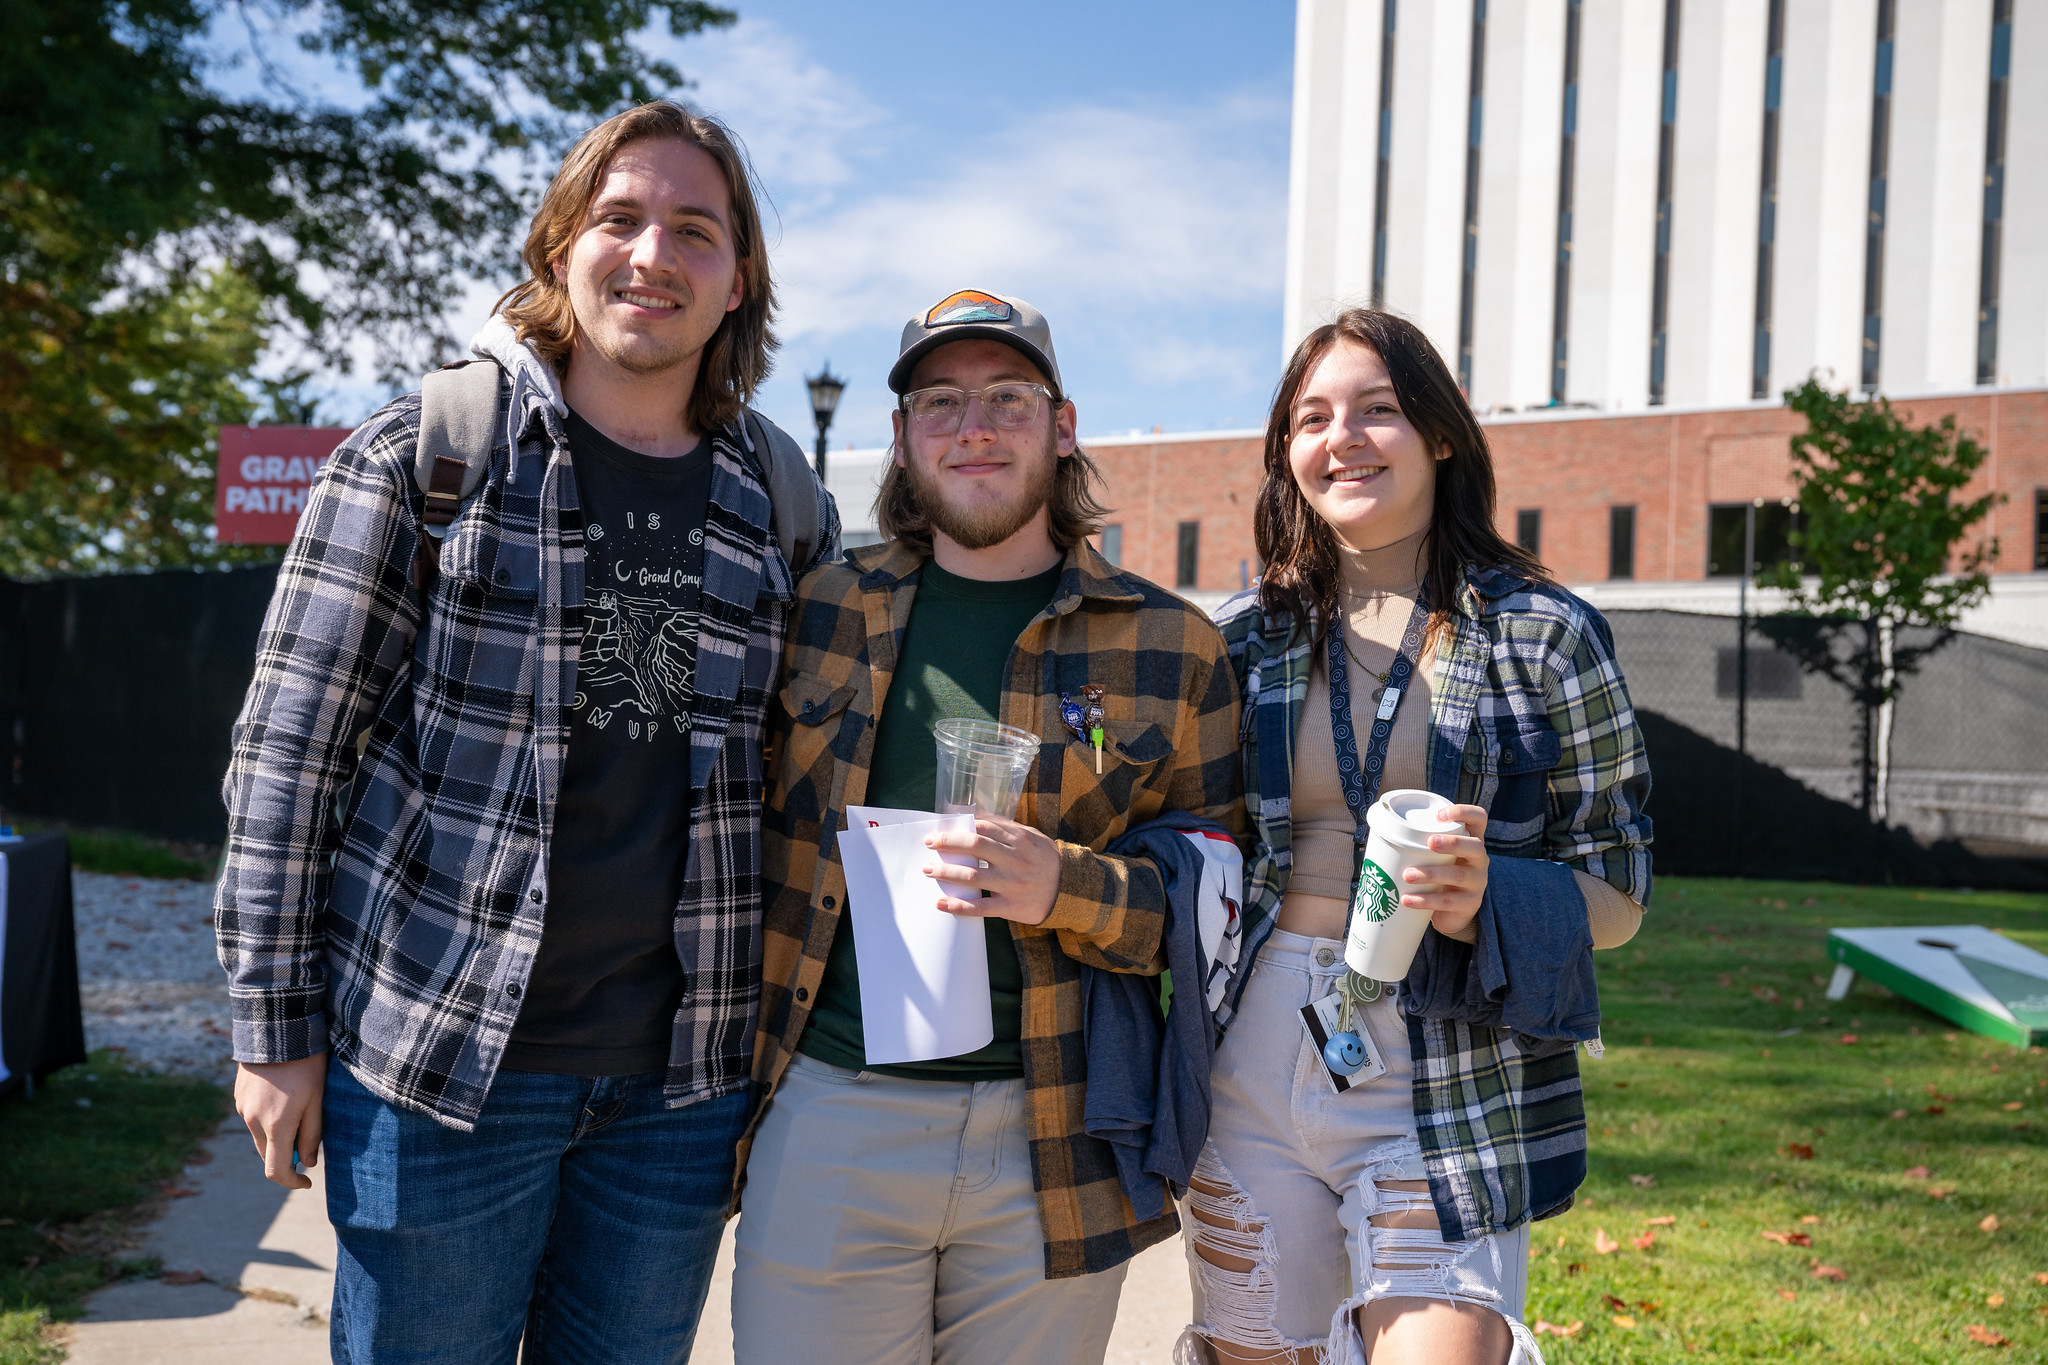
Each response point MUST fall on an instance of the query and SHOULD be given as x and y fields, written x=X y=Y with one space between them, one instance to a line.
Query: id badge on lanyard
x=1333 y=1023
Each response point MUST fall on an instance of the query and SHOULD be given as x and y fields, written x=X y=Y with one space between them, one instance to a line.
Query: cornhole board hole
x=1963 y=972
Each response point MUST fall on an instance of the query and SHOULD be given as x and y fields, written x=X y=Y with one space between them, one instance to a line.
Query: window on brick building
x=1190 y=548
x=1529 y=530
x=1726 y=522
x=1113 y=543
x=1621 y=542
x=2041 y=528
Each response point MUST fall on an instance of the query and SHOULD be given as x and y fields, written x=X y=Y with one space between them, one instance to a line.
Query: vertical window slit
x=1560 y=315
x=1386 y=157
x=1660 y=270
x=1994 y=190
x=1474 y=123
x=1767 y=201
x=1880 y=158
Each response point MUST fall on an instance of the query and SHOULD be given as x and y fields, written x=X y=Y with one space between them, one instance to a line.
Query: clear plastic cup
x=982 y=764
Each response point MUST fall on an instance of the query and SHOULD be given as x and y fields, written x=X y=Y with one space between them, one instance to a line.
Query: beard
x=983 y=526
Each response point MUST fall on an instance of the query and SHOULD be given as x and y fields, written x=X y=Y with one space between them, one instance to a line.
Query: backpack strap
x=792 y=488
x=458 y=427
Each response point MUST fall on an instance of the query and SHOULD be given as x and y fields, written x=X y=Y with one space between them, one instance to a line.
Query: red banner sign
x=263 y=476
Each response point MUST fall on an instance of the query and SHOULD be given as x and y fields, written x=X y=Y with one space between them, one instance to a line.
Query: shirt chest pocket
x=821 y=728
x=1511 y=757
x=1118 y=793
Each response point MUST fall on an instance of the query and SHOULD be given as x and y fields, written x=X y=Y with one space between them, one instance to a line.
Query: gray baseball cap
x=971 y=313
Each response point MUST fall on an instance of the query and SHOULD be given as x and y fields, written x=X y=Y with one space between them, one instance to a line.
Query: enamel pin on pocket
x=1092 y=694
x=1348 y=1053
x=1085 y=717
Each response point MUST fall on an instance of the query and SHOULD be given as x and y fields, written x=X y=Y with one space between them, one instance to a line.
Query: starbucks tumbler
x=1384 y=934
x=982 y=764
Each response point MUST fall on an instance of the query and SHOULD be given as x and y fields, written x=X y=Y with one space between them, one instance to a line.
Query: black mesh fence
x=1770 y=779
x=117 y=695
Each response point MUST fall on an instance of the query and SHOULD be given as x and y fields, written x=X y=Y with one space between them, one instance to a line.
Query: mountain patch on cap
x=969 y=305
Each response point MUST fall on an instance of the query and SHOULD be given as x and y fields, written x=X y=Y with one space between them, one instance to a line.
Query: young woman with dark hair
x=1385 y=1214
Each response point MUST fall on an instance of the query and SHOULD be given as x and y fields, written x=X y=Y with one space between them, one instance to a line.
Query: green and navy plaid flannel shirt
x=1530 y=719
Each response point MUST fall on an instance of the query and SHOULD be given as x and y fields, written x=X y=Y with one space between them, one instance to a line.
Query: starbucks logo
x=1377 y=897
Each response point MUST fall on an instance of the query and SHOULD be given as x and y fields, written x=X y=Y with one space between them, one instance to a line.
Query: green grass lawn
x=1734 y=1100
x=78 y=1164
x=127 y=854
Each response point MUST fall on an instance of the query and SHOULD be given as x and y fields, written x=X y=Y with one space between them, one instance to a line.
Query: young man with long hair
x=1397 y=641
x=957 y=1210
x=509 y=987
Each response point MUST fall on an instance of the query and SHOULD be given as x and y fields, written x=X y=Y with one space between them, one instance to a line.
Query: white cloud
x=1123 y=216
x=805 y=126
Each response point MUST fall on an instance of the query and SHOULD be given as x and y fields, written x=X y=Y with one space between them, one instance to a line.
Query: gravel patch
x=152 y=986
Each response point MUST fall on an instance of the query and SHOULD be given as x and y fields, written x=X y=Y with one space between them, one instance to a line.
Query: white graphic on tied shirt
x=638 y=651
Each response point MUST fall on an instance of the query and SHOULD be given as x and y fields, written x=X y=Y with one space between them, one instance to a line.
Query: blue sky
x=1124 y=167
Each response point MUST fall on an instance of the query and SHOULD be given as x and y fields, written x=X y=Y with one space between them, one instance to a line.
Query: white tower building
x=1625 y=203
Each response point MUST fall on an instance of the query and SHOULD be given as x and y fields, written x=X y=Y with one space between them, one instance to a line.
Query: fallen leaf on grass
x=1574 y=1267
x=1647 y=1240
x=2041 y=1277
x=1990 y=1223
x=1940 y=1191
x=1604 y=1244
x=1994 y=1301
x=1619 y=1305
x=1917 y=1173
x=1898 y=1113
x=1810 y=1218
x=1787 y=1295
x=1937 y=1109
x=1798 y=1151
x=1848 y=1037
x=1984 y=1336
x=1664 y=1222
x=1829 y=1272
x=1625 y=1322
x=1554 y=1330
x=1648 y=1307
x=183 y=1277
x=1643 y=1182
x=1788 y=1239
x=2011 y=1105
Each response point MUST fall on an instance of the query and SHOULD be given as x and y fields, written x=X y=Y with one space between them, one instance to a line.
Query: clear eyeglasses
x=940 y=411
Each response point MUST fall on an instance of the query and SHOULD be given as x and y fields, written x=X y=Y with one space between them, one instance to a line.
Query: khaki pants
x=892 y=1222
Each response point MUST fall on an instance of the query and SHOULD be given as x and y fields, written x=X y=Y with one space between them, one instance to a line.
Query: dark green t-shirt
x=955 y=653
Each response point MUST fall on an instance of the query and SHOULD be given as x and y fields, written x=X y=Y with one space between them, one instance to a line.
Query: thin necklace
x=1378 y=675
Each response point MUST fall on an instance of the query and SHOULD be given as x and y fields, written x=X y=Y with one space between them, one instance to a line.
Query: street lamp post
x=825 y=389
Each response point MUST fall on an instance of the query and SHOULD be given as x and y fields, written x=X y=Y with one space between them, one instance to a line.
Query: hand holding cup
x=1451 y=892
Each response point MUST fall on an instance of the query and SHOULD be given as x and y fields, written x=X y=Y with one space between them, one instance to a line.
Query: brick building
x=1599 y=497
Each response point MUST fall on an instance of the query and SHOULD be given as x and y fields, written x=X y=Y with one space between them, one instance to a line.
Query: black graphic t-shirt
x=606 y=983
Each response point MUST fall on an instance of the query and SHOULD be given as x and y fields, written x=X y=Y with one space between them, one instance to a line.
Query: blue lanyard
x=1361 y=781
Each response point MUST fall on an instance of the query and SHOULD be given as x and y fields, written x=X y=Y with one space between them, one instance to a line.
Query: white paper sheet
x=923 y=972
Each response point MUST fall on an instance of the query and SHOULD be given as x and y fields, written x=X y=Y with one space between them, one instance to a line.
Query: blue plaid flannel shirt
x=401 y=931
x=1530 y=719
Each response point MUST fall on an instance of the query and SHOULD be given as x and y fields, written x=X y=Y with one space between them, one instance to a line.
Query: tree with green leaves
x=156 y=231
x=1878 y=548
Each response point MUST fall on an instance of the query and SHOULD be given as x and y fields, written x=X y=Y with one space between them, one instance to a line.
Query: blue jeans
x=581 y=1214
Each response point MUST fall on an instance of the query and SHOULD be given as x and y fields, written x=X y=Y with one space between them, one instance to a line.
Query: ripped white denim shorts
x=1302 y=1167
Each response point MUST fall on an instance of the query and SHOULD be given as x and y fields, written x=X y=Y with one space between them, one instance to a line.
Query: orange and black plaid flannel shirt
x=1171 y=744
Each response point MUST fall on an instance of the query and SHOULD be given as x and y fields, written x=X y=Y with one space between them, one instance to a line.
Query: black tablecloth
x=41 y=1026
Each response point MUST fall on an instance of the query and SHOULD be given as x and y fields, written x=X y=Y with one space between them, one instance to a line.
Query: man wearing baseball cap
x=955 y=1210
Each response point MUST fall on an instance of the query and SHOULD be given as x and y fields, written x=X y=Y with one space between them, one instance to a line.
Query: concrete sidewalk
x=249 y=1278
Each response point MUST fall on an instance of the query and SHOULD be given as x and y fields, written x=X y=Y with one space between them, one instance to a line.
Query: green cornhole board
x=1963 y=972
